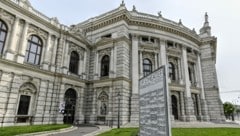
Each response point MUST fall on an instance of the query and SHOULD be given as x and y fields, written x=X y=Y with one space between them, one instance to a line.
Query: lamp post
x=118 y=124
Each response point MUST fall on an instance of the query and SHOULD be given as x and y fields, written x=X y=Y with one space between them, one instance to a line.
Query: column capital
x=134 y=36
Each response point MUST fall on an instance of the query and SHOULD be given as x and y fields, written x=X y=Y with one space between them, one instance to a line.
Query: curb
x=100 y=130
x=47 y=133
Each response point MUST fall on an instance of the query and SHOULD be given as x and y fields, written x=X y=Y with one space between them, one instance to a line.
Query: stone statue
x=206 y=17
x=160 y=13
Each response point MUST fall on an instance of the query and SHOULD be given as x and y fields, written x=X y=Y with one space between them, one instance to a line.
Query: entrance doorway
x=70 y=105
x=174 y=107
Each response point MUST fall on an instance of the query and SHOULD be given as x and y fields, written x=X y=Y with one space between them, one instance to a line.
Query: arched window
x=103 y=103
x=3 y=35
x=70 y=99
x=171 y=71
x=74 y=60
x=34 y=50
x=147 y=67
x=105 y=66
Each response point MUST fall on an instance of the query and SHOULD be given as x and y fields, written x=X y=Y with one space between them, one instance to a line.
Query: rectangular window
x=23 y=105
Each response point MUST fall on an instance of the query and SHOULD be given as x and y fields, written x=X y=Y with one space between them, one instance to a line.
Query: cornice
x=125 y=15
x=30 y=15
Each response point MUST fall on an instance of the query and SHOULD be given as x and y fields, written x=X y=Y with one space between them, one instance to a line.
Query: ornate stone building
x=51 y=73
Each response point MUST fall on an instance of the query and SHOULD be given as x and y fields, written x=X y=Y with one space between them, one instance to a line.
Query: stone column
x=84 y=65
x=183 y=117
x=111 y=71
x=80 y=113
x=115 y=61
x=141 y=64
x=134 y=118
x=199 y=107
x=54 y=52
x=189 y=106
x=66 y=58
x=156 y=61
x=23 y=44
x=11 y=51
x=204 y=107
x=80 y=65
x=96 y=75
x=47 y=53
x=180 y=71
x=110 y=105
x=163 y=53
x=135 y=73
x=93 y=116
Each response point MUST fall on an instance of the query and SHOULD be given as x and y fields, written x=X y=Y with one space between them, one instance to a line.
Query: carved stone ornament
x=104 y=52
x=34 y=30
x=79 y=50
x=28 y=87
x=148 y=55
x=5 y=16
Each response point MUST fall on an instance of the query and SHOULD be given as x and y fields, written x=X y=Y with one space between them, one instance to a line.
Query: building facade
x=89 y=72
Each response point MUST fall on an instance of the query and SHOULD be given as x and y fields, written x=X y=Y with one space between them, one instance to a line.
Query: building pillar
x=204 y=107
x=96 y=75
x=134 y=117
x=135 y=73
x=93 y=116
x=23 y=44
x=111 y=71
x=180 y=78
x=80 y=66
x=199 y=108
x=110 y=106
x=80 y=114
x=115 y=60
x=163 y=53
x=141 y=64
x=54 y=52
x=66 y=59
x=47 y=53
x=11 y=51
x=84 y=65
x=156 y=61
x=183 y=117
x=189 y=106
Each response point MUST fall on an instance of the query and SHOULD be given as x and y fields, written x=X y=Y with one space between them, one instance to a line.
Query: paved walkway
x=80 y=131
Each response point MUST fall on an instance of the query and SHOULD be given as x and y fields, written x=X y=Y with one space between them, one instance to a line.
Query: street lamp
x=118 y=124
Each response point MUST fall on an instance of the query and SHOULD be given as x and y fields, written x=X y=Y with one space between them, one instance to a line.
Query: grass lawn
x=180 y=132
x=121 y=132
x=206 y=132
x=16 y=130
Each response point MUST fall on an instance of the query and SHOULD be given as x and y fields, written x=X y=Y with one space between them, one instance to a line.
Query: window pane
x=24 y=105
x=39 y=50
x=1 y=47
x=33 y=48
x=2 y=36
x=26 y=56
x=31 y=58
x=34 y=39
x=4 y=27
x=37 y=59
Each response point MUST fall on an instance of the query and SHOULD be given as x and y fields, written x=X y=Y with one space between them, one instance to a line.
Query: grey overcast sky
x=224 y=18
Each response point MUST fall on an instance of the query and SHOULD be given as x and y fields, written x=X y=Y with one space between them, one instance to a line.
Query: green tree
x=229 y=110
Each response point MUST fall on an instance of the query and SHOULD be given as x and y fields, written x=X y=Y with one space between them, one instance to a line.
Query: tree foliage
x=228 y=109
